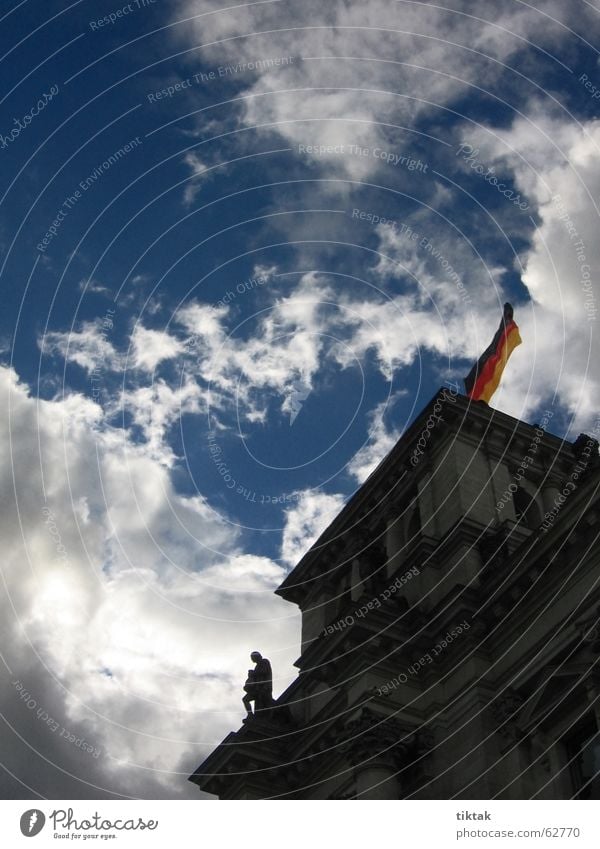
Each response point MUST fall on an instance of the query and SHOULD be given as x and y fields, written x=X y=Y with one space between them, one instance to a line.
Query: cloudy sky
x=241 y=247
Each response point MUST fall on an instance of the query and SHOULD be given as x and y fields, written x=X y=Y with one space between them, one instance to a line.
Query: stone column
x=549 y=493
x=376 y=747
x=376 y=781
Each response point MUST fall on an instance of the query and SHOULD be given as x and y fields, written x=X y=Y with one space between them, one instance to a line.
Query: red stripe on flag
x=487 y=371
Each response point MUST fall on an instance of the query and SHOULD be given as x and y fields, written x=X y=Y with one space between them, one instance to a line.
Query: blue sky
x=271 y=233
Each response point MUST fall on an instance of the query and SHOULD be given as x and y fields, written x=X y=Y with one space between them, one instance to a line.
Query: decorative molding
x=506 y=709
x=373 y=739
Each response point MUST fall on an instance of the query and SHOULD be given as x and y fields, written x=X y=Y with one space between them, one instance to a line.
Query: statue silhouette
x=259 y=684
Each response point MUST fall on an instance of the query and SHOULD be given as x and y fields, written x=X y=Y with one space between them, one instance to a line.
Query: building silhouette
x=450 y=628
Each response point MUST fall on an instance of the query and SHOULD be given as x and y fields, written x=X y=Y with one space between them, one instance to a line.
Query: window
x=526 y=509
x=414 y=524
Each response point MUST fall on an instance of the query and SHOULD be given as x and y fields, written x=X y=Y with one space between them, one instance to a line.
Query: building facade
x=450 y=628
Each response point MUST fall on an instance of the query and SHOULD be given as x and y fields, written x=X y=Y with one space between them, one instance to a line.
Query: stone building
x=450 y=628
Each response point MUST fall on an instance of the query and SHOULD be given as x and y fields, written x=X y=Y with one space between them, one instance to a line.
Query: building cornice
x=395 y=476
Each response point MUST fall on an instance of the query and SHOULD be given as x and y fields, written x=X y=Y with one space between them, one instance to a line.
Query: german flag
x=483 y=379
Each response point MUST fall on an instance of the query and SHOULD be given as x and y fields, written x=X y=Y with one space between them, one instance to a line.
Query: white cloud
x=89 y=347
x=93 y=287
x=139 y=602
x=197 y=171
x=157 y=407
x=151 y=347
x=356 y=71
x=379 y=443
x=561 y=348
x=305 y=521
x=311 y=325
x=284 y=347
x=204 y=321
